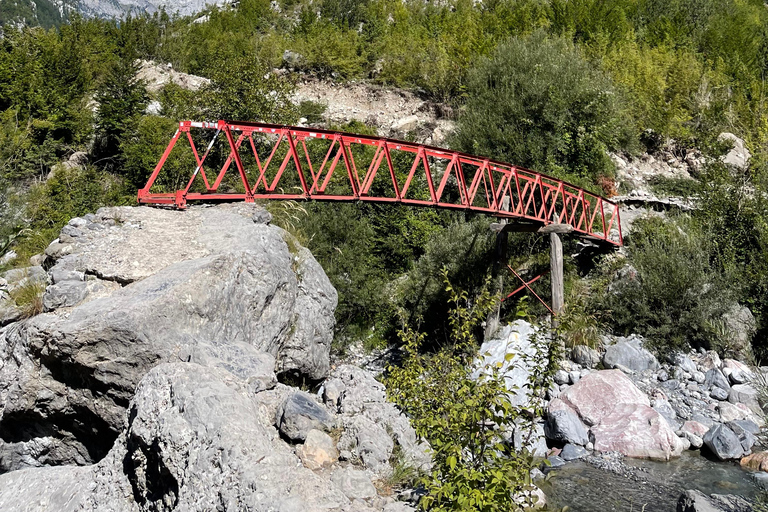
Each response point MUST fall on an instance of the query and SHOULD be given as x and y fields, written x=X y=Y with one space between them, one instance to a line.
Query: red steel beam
x=445 y=177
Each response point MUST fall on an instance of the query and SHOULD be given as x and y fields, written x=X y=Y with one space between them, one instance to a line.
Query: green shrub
x=465 y=419
x=29 y=297
x=67 y=193
x=537 y=103
x=673 y=294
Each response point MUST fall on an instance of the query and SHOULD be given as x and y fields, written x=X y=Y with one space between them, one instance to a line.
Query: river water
x=656 y=487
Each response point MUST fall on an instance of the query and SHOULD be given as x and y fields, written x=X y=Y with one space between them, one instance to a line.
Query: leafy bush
x=465 y=419
x=67 y=193
x=538 y=103
x=671 y=292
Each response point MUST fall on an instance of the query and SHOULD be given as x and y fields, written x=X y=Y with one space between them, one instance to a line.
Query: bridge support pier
x=556 y=276
x=555 y=264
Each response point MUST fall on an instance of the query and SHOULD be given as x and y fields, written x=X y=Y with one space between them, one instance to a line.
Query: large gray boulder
x=696 y=501
x=629 y=353
x=724 y=443
x=715 y=378
x=207 y=285
x=563 y=424
x=738 y=156
x=194 y=439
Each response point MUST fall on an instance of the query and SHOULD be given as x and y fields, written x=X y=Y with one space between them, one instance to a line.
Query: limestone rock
x=318 y=450
x=596 y=395
x=372 y=426
x=517 y=339
x=737 y=372
x=216 y=288
x=333 y=389
x=300 y=414
x=696 y=501
x=355 y=484
x=695 y=428
x=629 y=353
x=744 y=433
x=573 y=452
x=745 y=394
x=585 y=356
x=564 y=425
x=192 y=441
x=723 y=443
x=738 y=155
x=685 y=362
x=405 y=125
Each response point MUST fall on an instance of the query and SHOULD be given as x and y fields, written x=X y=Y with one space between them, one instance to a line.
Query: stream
x=655 y=487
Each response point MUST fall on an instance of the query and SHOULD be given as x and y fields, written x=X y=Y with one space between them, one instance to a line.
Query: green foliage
x=539 y=103
x=465 y=419
x=141 y=149
x=243 y=89
x=674 y=294
x=579 y=324
x=28 y=297
x=312 y=111
x=680 y=187
x=121 y=100
x=67 y=193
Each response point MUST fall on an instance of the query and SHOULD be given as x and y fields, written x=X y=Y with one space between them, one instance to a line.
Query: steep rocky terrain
x=152 y=382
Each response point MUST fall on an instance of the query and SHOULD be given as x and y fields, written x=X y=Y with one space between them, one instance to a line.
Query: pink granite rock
x=638 y=431
x=597 y=394
x=695 y=428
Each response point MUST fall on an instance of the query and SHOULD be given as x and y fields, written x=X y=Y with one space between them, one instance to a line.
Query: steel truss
x=375 y=169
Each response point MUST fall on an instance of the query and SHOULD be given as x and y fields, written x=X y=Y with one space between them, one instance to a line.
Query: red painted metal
x=526 y=284
x=435 y=177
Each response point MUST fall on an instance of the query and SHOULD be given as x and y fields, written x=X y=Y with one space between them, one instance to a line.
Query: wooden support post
x=556 y=275
x=492 y=322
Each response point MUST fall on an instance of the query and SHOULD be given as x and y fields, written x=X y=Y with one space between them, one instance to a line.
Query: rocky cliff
x=152 y=380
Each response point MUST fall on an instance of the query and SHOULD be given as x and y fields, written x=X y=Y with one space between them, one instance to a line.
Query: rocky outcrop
x=194 y=439
x=372 y=427
x=164 y=388
x=637 y=431
x=629 y=353
x=738 y=155
x=207 y=285
x=697 y=501
x=394 y=113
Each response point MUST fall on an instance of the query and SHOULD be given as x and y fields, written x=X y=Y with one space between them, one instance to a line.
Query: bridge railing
x=284 y=162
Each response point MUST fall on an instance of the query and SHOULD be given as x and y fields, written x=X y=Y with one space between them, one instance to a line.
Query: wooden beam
x=499 y=227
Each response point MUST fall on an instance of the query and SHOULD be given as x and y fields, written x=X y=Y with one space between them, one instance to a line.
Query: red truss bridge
x=286 y=162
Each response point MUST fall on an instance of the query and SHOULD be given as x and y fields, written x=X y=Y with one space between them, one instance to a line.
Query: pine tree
x=122 y=99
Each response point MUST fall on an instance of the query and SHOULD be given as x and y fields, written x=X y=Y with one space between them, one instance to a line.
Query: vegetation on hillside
x=549 y=84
